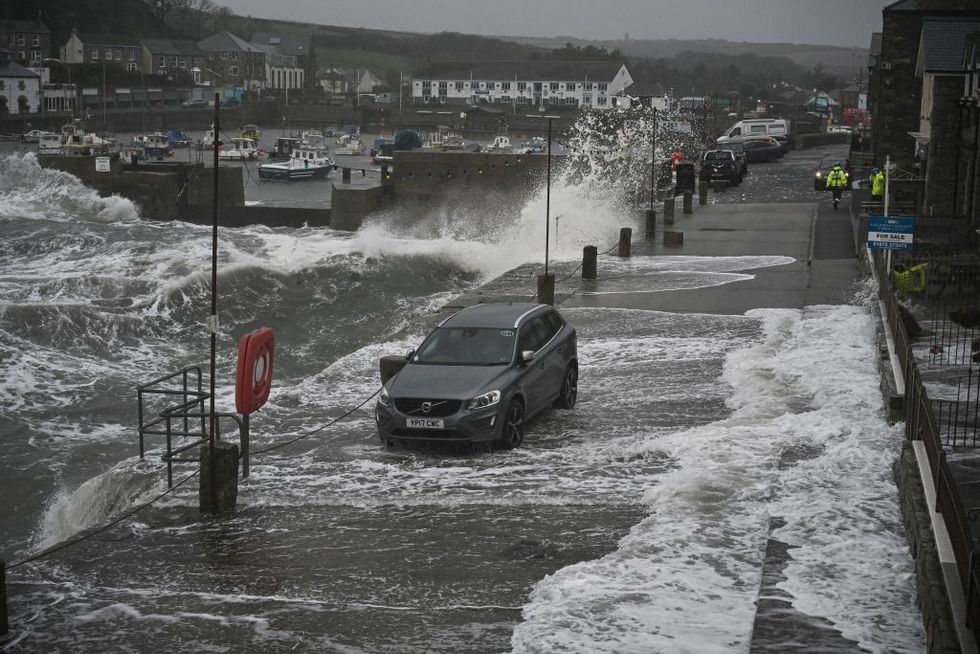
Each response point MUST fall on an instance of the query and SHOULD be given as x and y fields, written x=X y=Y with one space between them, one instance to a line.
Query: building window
x=224 y=56
x=458 y=86
x=108 y=54
x=234 y=56
x=601 y=100
x=36 y=41
x=3 y=85
x=522 y=86
x=95 y=54
x=233 y=70
x=21 y=86
x=131 y=66
x=553 y=86
x=163 y=61
x=602 y=86
x=20 y=40
x=118 y=54
x=132 y=54
x=521 y=99
x=35 y=55
x=182 y=63
x=506 y=86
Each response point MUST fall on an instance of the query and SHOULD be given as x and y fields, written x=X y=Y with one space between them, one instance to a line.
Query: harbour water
x=635 y=523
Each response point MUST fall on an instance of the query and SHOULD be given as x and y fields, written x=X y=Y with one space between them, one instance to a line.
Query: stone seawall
x=937 y=616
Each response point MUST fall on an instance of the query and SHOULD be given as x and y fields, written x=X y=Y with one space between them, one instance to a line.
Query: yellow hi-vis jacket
x=878 y=184
x=837 y=177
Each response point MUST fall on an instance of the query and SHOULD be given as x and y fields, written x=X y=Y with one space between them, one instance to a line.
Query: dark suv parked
x=480 y=375
x=720 y=165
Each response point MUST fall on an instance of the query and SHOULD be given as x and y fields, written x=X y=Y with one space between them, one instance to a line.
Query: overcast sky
x=833 y=22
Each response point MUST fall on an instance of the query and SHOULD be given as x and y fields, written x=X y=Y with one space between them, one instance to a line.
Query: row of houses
x=924 y=94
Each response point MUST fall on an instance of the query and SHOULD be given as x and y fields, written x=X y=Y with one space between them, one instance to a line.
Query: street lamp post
x=546 y=282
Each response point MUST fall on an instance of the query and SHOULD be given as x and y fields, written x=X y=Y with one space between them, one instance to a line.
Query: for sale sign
x=890 y=232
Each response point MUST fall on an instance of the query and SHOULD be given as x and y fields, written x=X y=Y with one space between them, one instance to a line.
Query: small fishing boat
x=303 y=163
x=240 y=149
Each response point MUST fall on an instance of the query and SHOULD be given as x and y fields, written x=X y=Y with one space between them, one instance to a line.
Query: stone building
x=940 y=68
x=28 y=40
x=297 y=47
x=598 y=85
x=236 y=61
x=896 y=93
x=173 y=59
x=20 y=88
x=94 y=48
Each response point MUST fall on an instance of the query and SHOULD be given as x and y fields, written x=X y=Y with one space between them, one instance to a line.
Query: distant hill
x=835 y=60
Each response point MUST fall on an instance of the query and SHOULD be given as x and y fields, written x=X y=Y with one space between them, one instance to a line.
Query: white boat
x=303 y=163
x=239 y=149
x=313 y=140
x=349 y=145
x=79 y=142
x=501 y=143
x=50 y=144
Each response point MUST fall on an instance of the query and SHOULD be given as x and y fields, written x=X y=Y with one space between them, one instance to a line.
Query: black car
x=762 y=149
x=820 y=174
x=480 y=375
x=738 y=149
x=720 y=165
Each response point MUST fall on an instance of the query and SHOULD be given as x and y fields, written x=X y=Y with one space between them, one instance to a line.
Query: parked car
x=720 y=165
x=738 y=149
x=761 y=149
x=823 y=169
x=777 y=127
x=33 y=135
x=480 y=376
x=194 y=103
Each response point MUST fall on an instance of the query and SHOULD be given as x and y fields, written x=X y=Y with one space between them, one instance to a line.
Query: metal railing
x=185 y=419
x=922 y=424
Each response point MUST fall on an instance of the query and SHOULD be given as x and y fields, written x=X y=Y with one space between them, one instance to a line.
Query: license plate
x=424 y=423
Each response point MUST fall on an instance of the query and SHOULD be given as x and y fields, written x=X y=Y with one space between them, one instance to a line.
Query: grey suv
x=480 y=375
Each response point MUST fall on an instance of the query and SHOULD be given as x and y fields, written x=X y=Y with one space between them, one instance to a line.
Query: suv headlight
x=483 y=401
x=383 y=398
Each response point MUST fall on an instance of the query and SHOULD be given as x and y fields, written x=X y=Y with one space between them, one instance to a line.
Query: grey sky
x=832 y=22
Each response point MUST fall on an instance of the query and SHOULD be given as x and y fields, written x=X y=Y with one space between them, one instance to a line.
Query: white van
x=774 y=127
x=50 y=144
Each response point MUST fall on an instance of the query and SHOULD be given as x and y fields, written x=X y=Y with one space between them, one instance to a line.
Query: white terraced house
x=598 y=85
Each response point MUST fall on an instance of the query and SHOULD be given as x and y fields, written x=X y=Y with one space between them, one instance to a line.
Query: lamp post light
x=546 y=282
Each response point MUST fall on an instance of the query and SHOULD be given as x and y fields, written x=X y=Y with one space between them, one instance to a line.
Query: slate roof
x=226 y=42
x=291 y=44
x=172 y=47
x=96 y=38
x=943 y=42
x=12 y=69
x=34 y=26
x=599 y=71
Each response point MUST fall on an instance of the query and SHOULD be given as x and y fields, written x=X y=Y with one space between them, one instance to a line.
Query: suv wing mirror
x=527 y=356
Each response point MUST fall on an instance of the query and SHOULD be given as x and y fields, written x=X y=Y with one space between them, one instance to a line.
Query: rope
x=318 y=429
x=534 y=295
x=83 y=536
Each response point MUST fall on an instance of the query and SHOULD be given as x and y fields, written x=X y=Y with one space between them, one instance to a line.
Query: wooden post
x=703 y=193
x=669 y=211
x=546 y=288
x=688 y=202
x=221 y=466
x=673 y=239
x=651 y=224
x=590 y=254
x=625 y=238
x=346 y=175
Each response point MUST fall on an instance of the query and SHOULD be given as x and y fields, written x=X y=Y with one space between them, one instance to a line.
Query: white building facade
x=20 y=87
x=282 y=70
x=535 y=84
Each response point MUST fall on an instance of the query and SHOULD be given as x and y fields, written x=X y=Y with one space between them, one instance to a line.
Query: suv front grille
x=439 y=408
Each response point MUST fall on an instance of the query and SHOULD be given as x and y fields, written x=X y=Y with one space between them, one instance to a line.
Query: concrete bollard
x=546 y=288
x=345 y=175
x=688 y=202
x=669 y=211
x=4 y=624
x=219 y=478
x=390 y=365
x=703 y=193
x=651 y=224
x=625 y=239
x=673 y=239
x=590 y=255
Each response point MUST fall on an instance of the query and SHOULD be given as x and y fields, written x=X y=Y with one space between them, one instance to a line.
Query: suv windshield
x=718 y=155
x=467 y=346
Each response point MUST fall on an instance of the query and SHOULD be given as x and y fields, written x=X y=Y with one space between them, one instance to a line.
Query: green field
x=377 y=62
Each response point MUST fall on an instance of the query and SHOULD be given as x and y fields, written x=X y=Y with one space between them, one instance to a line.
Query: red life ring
x=253 y=378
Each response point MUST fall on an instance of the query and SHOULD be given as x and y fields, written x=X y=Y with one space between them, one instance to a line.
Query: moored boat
x=304 y=163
